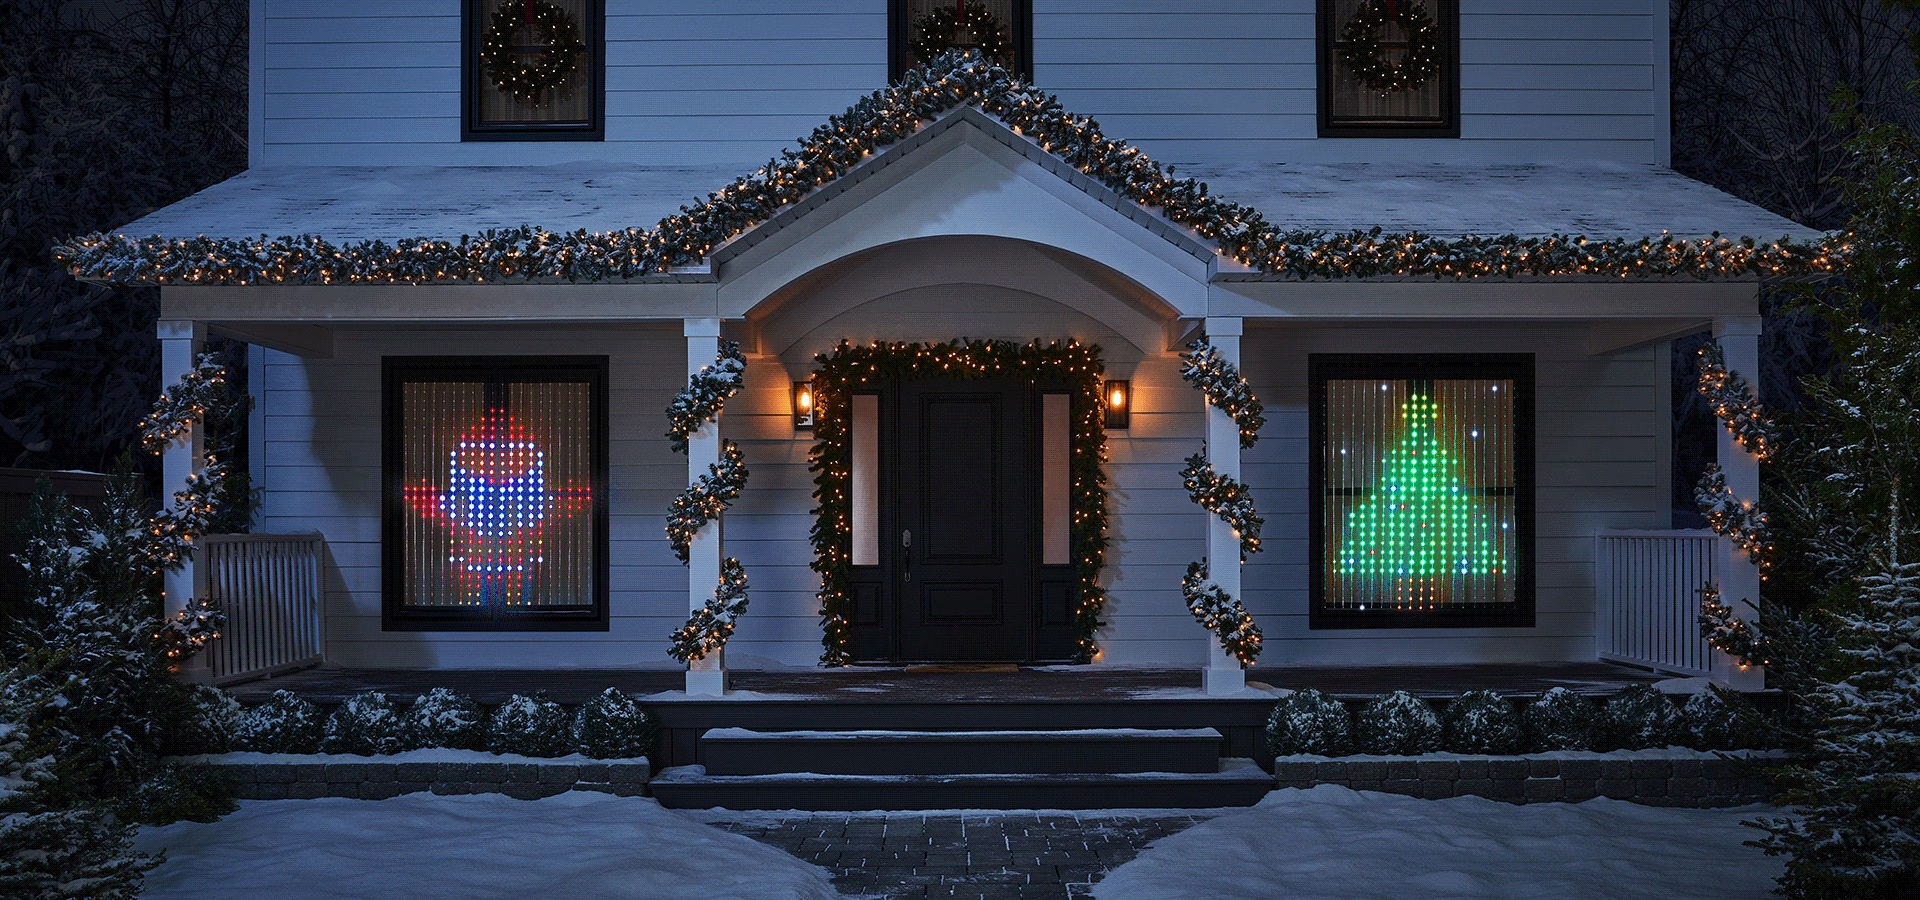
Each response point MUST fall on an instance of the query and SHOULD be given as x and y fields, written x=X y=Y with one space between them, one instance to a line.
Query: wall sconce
x=1118 y=398
x=803 y=406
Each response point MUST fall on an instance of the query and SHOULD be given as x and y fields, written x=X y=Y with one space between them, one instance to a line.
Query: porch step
x=1237 y=782
x=741 y=751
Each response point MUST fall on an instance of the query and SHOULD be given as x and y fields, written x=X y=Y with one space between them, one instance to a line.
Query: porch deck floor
x=897 y=685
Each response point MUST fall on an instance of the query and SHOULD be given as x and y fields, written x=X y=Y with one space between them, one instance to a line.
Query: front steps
x=1070 y=769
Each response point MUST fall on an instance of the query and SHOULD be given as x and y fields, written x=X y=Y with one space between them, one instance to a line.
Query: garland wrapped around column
x=708 y=628
x=1229 y=499
x=1734 y=403
x=1742 y=522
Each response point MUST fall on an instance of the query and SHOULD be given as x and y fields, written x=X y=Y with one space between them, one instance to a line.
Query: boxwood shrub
x=366 y=724
x=1398 y=724
x=530 y=725
x=1482 y=722
x=1564 y=720
x=1310 y=722
x=283 y=724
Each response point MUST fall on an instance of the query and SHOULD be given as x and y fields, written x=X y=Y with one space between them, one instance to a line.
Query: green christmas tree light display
x=1419 y=530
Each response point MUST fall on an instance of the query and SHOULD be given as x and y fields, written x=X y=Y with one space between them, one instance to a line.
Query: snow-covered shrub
x=1482 y=722
x=612 y=726
x=209 y=724
x=1719 y=719
x=1310 y=722
x=445 y=718
x=366 y=724
x=529 y=726
x=283 y=724
x=1640 y=717
x=1564 y=720
x=1398 y=724
x=178 y=792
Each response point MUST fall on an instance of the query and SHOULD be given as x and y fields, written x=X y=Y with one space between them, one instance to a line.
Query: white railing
x=269 y=587
x=1649 y=600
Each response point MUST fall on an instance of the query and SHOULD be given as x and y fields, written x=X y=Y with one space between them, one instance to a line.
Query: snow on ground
x=420 y=846
x=1331 y=842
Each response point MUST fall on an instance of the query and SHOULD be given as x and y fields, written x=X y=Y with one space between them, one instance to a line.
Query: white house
x=1455 y=422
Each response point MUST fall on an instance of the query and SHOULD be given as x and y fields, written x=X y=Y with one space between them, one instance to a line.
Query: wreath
x=1361 y=51
x=553 y=29
x=934 y=32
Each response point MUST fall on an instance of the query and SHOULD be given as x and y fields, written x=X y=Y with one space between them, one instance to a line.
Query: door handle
x=906 y=563
x=906 y=538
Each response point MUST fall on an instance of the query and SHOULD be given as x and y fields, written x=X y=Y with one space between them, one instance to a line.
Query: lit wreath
x=1364 y=58
x=552 y=27
x=933 y=32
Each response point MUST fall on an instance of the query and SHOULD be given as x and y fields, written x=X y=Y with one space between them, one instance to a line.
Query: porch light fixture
x=803 y=406
x=1119 y=402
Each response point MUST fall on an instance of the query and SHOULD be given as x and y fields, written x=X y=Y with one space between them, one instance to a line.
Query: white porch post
x=179 y=345
x=708 y=675
x=1223 y=674
x=1738 y=575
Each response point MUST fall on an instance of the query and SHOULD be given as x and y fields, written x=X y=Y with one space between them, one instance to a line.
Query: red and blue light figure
x=496 y=508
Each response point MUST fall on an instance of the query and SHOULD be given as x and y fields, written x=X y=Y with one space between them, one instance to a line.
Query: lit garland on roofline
x=528 y=253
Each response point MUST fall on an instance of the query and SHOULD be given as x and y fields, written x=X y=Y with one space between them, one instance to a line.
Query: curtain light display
x=1419 y=494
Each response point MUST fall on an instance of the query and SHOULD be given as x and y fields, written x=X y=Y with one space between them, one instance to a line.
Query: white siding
x=372 y=82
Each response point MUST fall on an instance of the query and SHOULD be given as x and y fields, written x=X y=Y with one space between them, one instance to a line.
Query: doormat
x=969 y=668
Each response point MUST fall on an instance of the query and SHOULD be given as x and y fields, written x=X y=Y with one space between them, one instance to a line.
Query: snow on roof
x=352 y=203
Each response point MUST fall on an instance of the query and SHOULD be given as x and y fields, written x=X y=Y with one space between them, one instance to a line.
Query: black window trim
x=1447 y=17
x=396 y=371
x=1323 y=367
x=471 y=86
x=900 y=32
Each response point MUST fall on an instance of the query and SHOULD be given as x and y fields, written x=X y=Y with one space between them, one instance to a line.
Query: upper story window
x=1422 y=481
x=1389 y=68
x=533 y=70
x=919 y=30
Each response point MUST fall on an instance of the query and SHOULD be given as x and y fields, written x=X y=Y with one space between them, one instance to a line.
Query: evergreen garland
x=1221 y=495
x=1220 y=613
x=704 y=500
x=1729 y=634
x=850 y=367
x=1743 y=523
x=706 y=393
x=197 y=394
x=1734 y=403
x=708 y=629
x=1361 y=52
x=1204 y=368
x=882 y=118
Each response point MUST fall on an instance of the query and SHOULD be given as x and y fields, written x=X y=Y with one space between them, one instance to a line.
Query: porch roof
x=346 y=204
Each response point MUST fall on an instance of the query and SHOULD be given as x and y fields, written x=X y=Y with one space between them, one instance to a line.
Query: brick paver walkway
x=979 y=856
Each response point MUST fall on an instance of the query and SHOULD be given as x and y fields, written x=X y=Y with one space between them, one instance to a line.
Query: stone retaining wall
x=1703 y=780
x=376 y=780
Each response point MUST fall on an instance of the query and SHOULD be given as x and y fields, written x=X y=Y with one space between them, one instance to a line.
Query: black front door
x=964 y=544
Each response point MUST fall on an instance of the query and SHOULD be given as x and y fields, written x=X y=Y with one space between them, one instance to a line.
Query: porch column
x=708 y=675
x=180 y=342
x=1223 y=674
x=1739 y=576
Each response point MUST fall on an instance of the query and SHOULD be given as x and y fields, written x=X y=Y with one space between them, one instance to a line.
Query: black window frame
x=900 y=33
x=1447 y=18
x=396 y=371
x=1518 y=367
x=472 y=16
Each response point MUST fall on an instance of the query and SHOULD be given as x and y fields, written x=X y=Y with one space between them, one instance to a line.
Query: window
x=533 y=70
x=494 y=483
x=919 y=30
x=1389 y=68
x=1422 y=479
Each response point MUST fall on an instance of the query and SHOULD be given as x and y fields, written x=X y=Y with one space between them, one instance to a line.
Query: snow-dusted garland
x=880 y=119
x=188 y=401
x=1370 y=66
x=1741 y=522
x=1204 y=368
x=1221 y=495
x=1221 y=613
x=1727 y=633
x=700 y=402
x=708 y=629
x=1734 y=402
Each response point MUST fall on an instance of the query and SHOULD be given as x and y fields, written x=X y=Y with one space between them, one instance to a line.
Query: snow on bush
x=529 y=726
x=1310 y=722
x=1718 y=719
x=612 y=726
x=366 y=724
x=1641 y=718
x=445 y=718
x=179 y=792
x=1398 y=724
x=210 y=724
x=1564 y=720
x=1482 y=722
x=283 y=724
